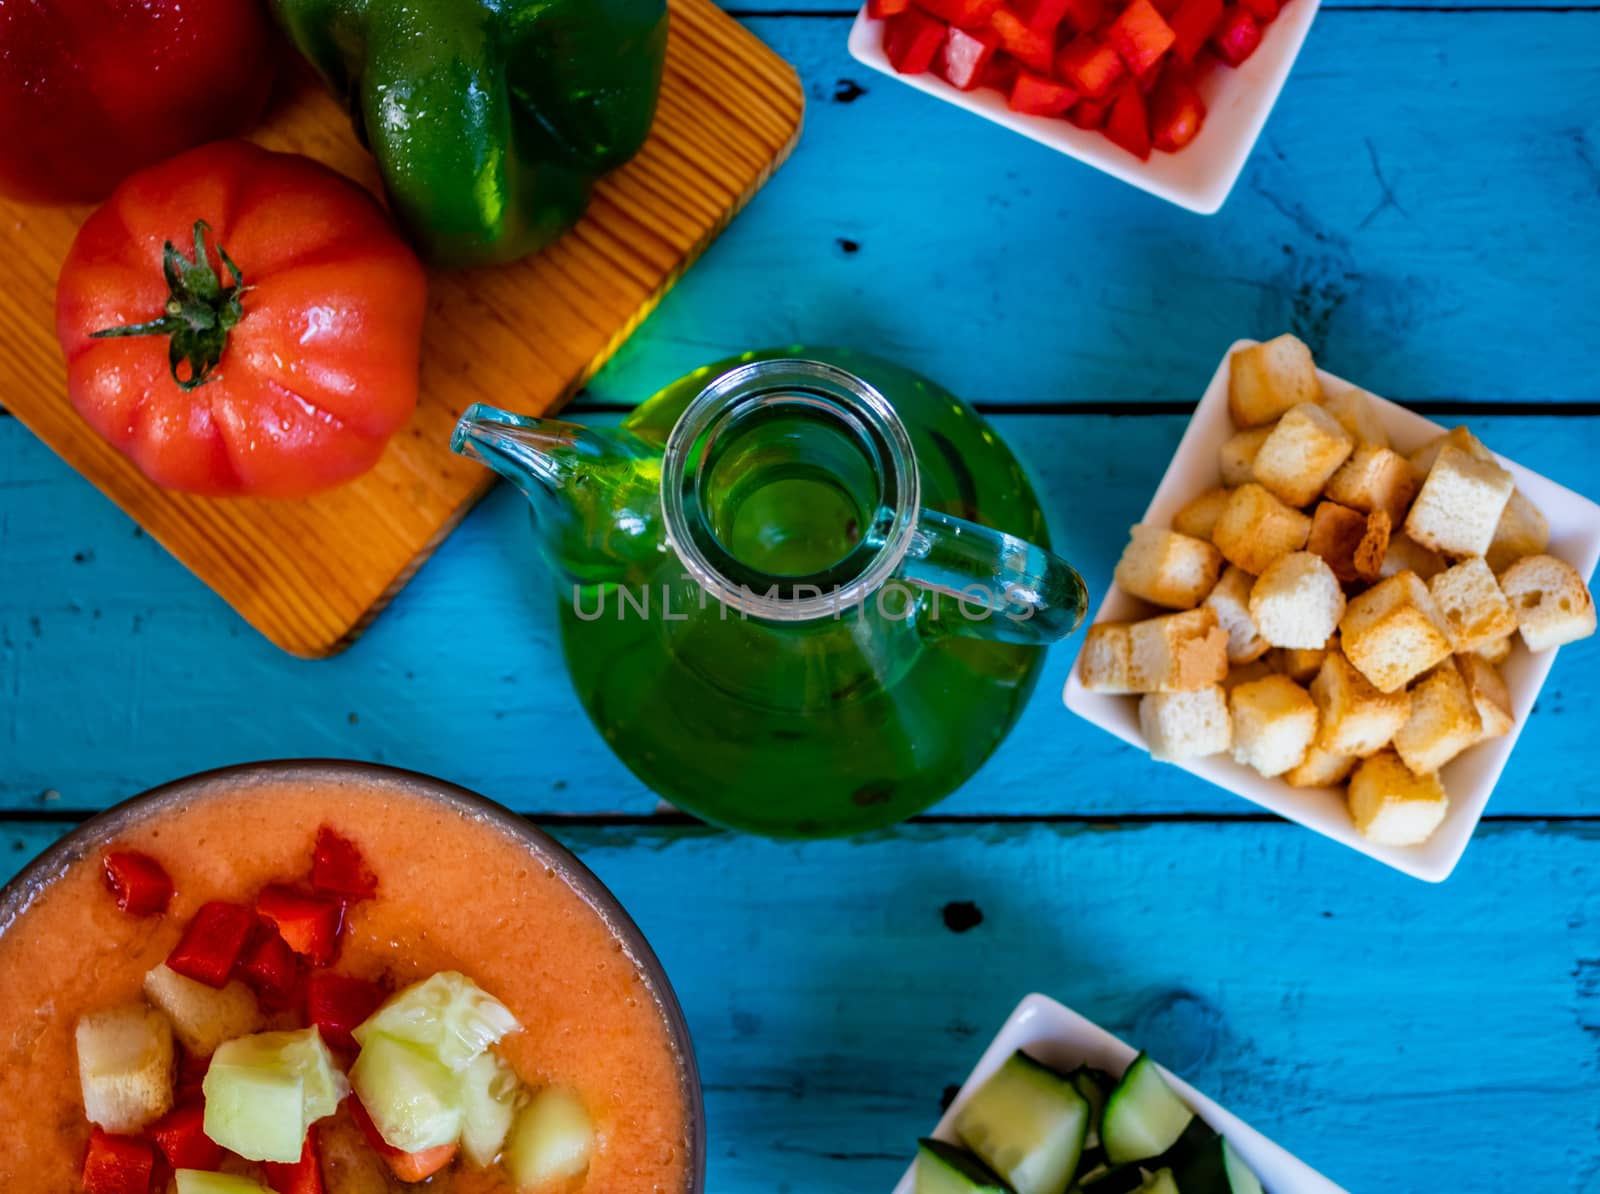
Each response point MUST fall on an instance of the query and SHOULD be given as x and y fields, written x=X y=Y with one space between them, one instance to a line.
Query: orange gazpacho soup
x=457 y=892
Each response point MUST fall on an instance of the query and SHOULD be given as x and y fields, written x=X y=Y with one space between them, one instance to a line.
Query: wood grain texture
x=1398 y=1037
x=1424 y=232
x=463 y=676
x=311 y=574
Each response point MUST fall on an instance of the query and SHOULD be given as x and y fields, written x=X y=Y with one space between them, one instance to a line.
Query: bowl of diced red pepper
x=1169 y=95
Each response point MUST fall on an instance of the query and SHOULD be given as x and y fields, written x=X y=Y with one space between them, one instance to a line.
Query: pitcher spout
x=596 y=496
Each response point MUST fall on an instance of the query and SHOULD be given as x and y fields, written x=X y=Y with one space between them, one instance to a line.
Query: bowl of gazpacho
x=333 y=978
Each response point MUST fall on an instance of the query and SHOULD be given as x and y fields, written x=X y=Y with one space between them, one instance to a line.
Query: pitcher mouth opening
x=790 y=490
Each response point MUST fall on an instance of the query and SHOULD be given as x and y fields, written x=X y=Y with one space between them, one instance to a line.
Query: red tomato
x=308 y=369
x=92 y=90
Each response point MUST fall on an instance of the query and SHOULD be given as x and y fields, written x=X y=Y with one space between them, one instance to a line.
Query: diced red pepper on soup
x=337 y=1004
x=117 y=1164
x=270 y=968
x=337 y=867
x=302 y=1177
x=212 y=943
x=182 y=1139
x=310 y=924
x=140 y=884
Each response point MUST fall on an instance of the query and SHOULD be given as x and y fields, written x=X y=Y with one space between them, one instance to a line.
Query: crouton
x=1357 y=413
x=1460 y=504
x=1550 y=600
x=1496 y=652
x=1475 y=611
x=1245 y=673
x=125 y=1066
x=1305 y=449
x=1407 y=555
x=1166 y=568
x=1391 y=806
x=1106 y=662
x=1231 y=601
x=1374 y=478
x=1297 y=602
x=1321 y=769
x=1355 y=718
x=1490 y=696
x=1393 y=632
x=1256 y=529
x=1443 y=722
x=1301 y=664
x=1523 y=531
x=1179 y=652
x=1352 y=543
x=1274 y=722
x=1267 y=379
x=1199 y=517
x=1237 y=456
x=1186 y=725
x=203 y=1016
x=1423 y=459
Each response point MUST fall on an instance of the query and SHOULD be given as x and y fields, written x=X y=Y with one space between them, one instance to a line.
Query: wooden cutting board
x=310 y=575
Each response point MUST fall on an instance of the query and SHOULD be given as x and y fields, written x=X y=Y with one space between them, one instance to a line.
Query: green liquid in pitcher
x=823 y=727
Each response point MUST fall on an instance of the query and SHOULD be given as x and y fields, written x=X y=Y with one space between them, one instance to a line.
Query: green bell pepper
x=490 y=119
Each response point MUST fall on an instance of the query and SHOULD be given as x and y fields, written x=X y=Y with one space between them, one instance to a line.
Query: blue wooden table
x=1422 y=209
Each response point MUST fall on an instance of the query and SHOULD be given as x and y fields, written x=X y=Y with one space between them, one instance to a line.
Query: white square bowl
x=1198 y=176
x=1061 y=1038
x=1471 y=776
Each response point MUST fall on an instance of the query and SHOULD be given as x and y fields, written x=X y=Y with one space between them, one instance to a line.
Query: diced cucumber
x=1110 y=1179
x=552 y=1139
x=1095 y=1086
x=945 y=1169
x=449 y=1015
x=1027 y=1123
x=488 y=1105
x=1159 y=1182
x=414 y=1101
x=264 y=1091
x=1144 y=1116
x=196 y=1181
x=1212 y=1167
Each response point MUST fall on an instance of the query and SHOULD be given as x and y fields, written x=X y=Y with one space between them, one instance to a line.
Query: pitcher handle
x=1004 y=588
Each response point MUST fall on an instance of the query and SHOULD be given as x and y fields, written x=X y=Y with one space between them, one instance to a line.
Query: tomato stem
x=200 y=311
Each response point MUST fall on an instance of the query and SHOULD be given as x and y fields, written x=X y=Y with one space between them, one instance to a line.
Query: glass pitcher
x=776 y=599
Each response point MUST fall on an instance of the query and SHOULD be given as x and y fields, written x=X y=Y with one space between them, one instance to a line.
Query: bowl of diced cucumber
x=1057 y=1105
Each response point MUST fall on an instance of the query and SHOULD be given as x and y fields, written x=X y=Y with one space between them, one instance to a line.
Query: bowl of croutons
x=1339 y=610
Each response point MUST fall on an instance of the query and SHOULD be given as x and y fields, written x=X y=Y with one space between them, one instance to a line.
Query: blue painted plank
x=1416 y=209
x=1396 y=1036
x=118 y=670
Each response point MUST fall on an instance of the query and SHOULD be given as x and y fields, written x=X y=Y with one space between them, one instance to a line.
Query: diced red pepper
x=1032 y=49
x=1043 y=16
x=1176 y=112
x=181 y=1137
x=309 y=923
x=911 y=40
x=1001 y=72
x=1148 y=81
x=140 y=883
x=970 y=14
x=1193 y=25
x=1128 y=123
x=1085 y=15
x=1091 y=113
x=408 y=1167
x=191 y=1078
x=304 y=1176
x=880 y=10
x=270 y=967
x=337 y=1004
x=117 y=1164
x=1140 y=35
x=1166 y=8
x=1237 y=36
x=212 y=943
x=1264 y=11
x=1039 y=95
x=1091 y=69
x=337 y=867
x=966 y=56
